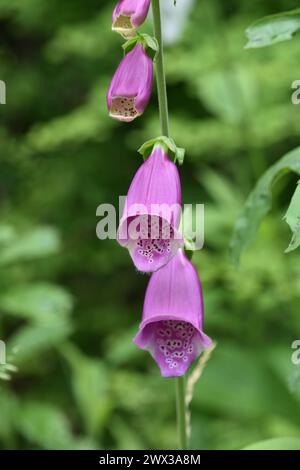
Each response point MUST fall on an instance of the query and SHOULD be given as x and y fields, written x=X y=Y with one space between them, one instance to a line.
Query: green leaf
x=273 y=29
x=179 y=155
x=123 y=350
x=89 y=383
x=292 y=217
x=150 y=44
x=259 y=203
x=7 y=234
x=283 y=443
x=130 y=44
x=31 y=341
x=39 y=242
x=44 y=303
x=8 y=405
x=122 y=431
x=168 y=144
x=44 y=425
x=258 y=383
x=230 y=94
x=82 y=124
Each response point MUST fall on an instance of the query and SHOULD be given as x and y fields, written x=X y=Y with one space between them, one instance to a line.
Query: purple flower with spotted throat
x=130 y=89
x=152 y=212
x=172 y=323
x=128 y=15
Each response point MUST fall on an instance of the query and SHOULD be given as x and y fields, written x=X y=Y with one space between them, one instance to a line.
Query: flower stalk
x=181 y=412
x=160 y=71
x=164 y=122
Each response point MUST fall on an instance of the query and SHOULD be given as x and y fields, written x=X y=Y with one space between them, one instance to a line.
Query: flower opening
x=172 y=325
x=128 y=15
x=153 y=242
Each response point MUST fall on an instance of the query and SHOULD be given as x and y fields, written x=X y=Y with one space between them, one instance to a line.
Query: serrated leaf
x=273 y=29
x=259 y=203
x=283 y=443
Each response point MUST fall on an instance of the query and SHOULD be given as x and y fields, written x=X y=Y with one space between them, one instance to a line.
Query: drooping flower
x=151 y=216
x=128 y=15
x=130 y=89
x=172 y=323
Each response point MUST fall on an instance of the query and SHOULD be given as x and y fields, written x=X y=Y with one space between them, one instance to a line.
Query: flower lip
x=174 y=344
x=207 y=341
x=150 y=249
x=123 y=108
x=122 y=24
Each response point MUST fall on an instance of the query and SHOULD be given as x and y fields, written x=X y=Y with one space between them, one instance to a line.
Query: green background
x=70 y=304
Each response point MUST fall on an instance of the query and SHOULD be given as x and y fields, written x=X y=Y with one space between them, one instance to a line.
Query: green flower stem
x=181 y=412
x=160 y=71
x=164 y=122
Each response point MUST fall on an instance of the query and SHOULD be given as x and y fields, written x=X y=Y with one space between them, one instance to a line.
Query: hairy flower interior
x=123 y=109
x=155 y=235
x=124 y=26
x=148 y=248
x=174 y=345
x=123 y=22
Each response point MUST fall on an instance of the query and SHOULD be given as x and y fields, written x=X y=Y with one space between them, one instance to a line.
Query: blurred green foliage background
x=70 y=303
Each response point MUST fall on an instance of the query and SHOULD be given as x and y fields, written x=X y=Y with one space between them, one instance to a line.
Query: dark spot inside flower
x=154 y=237
x=172 y=347
x=123 y=109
